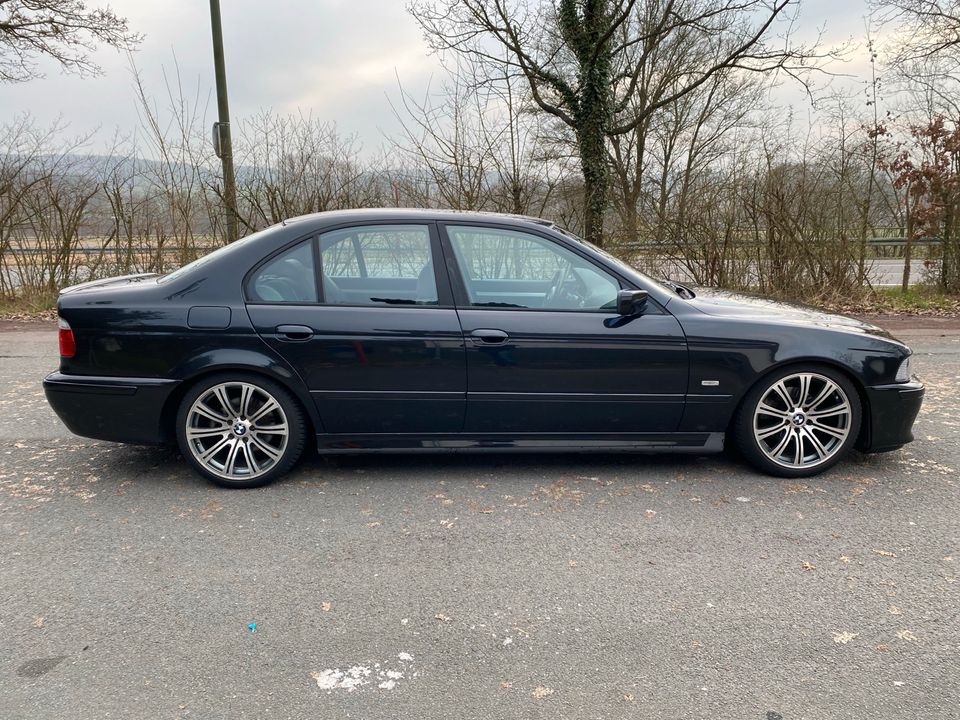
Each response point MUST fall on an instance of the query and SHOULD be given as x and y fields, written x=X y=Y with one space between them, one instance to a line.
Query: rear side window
x=378 y=265
x=288 y=278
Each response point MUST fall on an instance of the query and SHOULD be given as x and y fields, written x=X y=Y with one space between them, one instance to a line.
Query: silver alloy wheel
x=237 y=431
x=802 y=420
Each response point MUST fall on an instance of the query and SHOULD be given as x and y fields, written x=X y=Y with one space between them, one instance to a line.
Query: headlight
x=903 y=372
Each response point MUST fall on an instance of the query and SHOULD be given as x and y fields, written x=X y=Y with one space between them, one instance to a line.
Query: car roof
x=422 y=214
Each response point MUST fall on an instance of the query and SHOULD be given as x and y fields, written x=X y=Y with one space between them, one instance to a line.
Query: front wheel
x=798 y=422
x=240 y=431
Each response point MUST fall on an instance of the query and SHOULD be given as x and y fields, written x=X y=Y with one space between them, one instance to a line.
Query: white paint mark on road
x=357 y=677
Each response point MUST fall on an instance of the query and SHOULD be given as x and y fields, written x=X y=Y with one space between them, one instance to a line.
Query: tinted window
x=378 y=265
x=505 y=268
x=287 y=278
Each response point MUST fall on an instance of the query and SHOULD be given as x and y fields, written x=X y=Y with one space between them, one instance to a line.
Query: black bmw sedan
x=414 y=330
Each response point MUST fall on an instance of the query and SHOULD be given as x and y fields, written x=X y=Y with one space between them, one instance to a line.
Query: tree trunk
x=907 y=249
x=593 y=163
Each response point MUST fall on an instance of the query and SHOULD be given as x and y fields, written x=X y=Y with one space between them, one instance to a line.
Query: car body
x=416 y=330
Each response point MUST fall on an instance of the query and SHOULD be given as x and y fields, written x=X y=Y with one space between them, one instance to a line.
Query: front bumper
x=110 y=408
x=893 y=409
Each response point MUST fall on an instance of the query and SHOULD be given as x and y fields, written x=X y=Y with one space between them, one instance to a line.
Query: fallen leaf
x=326 y=607
x=572 y=563
x=844 y=558
x=487 y=510
x=894 y=610
x=650 y=513
x=844 y=637
x=505 y=684
x=375 y=523
x=441 y=617
x=38 y=621
x=541 y=692
x=906 y=635
x=885 y=553
x=628 y=697
x=808 y=565
x=883 y=648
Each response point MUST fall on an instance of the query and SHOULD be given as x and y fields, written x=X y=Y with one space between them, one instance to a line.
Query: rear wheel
x=798 y=422
x=240 y=431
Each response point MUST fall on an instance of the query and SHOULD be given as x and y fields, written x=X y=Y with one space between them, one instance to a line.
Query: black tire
x=747 y=422
x=263 y=455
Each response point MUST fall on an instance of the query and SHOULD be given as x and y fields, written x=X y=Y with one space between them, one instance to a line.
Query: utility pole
x=221 y=130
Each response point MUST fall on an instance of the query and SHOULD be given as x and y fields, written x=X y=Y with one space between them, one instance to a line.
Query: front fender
x=728 y=356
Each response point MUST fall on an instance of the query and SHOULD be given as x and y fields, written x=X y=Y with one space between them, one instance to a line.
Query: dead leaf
x=441 y=617
x=628 y=697
x=650 y=513
x=487 y=510
x=806 y=565
x=375 y=523
x=38 y=621
x=894 y=610
x=326 y=607
x=844 y=558
x=883 y=648
x=572 y=563
x=541 y=692
x=844 y=637
x=906 y=635
x=885 y=553
x=506 y=685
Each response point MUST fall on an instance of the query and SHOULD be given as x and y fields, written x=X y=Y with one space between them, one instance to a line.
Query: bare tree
x=927 y=27
x=603 y=67
x=65 y=30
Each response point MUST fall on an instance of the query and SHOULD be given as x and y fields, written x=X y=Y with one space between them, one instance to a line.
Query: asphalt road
x=476 y=587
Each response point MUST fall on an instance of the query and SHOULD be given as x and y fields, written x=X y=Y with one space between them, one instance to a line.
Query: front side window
x=378 y=265
x=289 y=277
x=506 y=268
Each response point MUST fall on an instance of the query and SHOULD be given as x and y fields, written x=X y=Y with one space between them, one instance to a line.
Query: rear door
x=546 y=350
x=365 y=315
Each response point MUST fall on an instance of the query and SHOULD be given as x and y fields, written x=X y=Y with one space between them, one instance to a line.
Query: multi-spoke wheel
x=240 y=431
x=798 y=422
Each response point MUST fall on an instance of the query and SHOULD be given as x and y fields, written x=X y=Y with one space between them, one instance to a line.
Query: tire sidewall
x=291 y=408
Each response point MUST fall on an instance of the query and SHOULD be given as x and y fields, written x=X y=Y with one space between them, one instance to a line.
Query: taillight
x=68 y=346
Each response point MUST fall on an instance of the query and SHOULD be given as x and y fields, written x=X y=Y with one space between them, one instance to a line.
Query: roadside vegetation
x=598 y=115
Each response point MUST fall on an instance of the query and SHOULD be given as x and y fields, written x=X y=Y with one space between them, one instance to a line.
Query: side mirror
x=631 y=302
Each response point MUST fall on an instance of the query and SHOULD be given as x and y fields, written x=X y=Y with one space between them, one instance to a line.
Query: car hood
x=721 y=303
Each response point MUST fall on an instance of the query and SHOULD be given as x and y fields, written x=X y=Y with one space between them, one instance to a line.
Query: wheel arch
x=863 y=437
x=168 y=414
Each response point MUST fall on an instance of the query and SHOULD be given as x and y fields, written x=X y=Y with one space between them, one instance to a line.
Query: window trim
x=462 y=297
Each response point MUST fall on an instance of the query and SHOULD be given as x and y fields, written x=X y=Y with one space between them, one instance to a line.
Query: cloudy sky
x=337 y=60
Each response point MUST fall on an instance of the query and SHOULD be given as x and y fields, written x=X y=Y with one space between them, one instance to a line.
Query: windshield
x=219 y=252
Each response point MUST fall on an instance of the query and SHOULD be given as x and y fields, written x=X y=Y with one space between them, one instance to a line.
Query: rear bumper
x=893 y=409
x=110 y=408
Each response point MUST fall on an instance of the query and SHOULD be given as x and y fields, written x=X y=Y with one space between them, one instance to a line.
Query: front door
x=366 y=320
x=546 y=350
